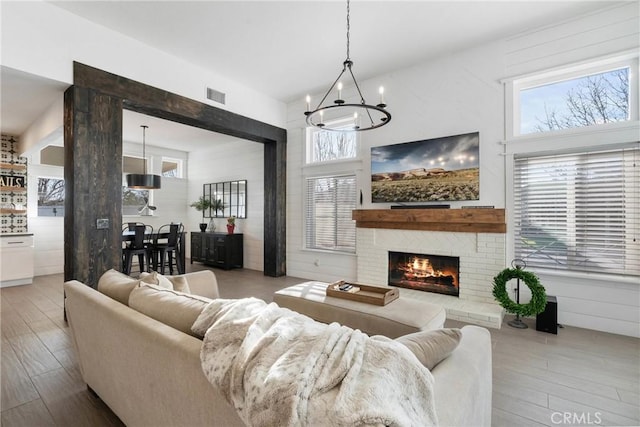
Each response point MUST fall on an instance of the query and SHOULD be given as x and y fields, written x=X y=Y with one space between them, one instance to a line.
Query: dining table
x=128 y=235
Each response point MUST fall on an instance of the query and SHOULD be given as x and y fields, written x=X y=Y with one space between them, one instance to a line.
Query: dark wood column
x=93 y=168
x=93 y=179
x=275 y=193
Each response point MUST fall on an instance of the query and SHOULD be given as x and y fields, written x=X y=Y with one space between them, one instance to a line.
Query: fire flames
x=421 y=269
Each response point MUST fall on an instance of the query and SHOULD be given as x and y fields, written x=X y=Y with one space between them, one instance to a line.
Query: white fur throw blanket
x=280 y=368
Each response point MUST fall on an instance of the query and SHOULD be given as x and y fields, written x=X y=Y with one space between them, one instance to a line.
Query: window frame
x=179 y=167
x=605 y=136
x=579 y=227
x=513 y=86
x=305 y=219
x=38 y=178
x=138 y=214
x=311 y=131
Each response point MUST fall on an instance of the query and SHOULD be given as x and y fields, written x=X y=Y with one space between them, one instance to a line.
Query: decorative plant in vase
x=231 y=224
x=201 y=205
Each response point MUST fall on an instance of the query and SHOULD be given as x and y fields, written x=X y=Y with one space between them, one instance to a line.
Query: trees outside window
x=50 y=197
x=134 y=202
x=325 y=146
x=585 y=100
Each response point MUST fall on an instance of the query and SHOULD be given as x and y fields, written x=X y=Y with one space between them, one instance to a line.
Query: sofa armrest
x=466 y=377
x=147 y=372
x=203 y=283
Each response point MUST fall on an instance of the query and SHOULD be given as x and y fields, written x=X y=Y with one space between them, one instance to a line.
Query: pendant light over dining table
x=331 y=116
x=143 y=181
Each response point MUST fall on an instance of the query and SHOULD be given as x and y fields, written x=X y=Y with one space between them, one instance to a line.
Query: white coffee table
x=399 y=317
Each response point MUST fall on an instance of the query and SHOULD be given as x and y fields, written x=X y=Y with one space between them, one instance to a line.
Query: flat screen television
x=430 y=170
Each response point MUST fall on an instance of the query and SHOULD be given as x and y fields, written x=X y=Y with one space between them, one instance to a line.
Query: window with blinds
x=330 y=201
x=579 y=212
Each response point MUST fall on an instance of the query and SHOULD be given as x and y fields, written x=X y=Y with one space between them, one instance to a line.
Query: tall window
x=331 y=198
x=579 y=212
x=330 y=201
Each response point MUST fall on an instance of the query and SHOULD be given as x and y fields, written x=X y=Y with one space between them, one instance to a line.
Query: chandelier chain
x=348 y=29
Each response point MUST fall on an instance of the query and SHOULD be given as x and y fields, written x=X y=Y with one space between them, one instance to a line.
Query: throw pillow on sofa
x=180 y=284
x=156 y=279
x=117 y=285
x=176 y=309
x=432 y=347
x=177 y=283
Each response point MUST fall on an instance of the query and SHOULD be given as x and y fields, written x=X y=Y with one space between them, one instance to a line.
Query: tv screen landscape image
x=430 y=170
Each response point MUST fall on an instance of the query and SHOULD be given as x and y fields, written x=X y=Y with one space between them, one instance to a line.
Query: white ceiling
x=289 y=48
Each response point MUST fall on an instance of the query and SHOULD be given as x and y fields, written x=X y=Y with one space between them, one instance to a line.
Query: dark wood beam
x=93 y=171
x=155 y=102
x=93 y=153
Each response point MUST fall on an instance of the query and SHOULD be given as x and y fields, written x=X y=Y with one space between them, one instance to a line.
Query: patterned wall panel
x=13 y=191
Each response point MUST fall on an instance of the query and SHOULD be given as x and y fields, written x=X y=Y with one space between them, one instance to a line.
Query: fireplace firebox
x=430 y=273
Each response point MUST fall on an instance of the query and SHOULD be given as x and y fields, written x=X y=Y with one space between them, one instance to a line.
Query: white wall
x=44 y=40
x=171 y=201
x=230 y=161
x=463 y=93
x=427 y=101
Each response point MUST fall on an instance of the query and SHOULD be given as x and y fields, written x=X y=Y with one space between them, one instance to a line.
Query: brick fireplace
x=481 y=255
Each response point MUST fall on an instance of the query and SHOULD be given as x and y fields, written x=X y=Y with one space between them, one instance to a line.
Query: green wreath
x=538 y=296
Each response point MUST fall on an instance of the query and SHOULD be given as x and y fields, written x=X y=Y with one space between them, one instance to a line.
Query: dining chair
x=138 y=247
x=169 y=250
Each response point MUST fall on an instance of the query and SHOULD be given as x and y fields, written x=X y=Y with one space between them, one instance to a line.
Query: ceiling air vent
x=216 y=96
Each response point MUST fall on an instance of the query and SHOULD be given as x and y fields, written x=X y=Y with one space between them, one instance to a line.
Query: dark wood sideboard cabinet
x=217 y=249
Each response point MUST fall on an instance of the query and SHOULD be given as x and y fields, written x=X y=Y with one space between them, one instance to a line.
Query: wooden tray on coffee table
x=366 y=293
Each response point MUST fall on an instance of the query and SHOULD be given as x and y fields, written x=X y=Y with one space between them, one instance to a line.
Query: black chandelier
x=143 y=181
x=330 y=116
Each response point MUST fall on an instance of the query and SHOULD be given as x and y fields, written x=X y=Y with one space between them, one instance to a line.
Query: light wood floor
x=579 y=377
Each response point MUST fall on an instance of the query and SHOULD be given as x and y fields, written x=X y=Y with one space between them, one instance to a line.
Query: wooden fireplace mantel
x=481 y=220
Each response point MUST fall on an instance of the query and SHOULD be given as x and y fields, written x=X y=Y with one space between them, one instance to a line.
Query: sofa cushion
x=117 y=285
x=432 y=347
x=176 y=309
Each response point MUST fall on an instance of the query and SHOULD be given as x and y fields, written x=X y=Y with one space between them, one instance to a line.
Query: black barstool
x=169 y=250
x=139 y=247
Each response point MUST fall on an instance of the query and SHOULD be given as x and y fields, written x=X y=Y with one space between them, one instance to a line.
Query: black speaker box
x=547 y=321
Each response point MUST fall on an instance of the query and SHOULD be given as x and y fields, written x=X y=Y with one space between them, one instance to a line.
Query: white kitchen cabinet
x=16 y=255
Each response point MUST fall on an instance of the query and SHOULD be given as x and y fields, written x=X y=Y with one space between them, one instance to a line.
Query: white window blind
x=579 y=212
x=330 y=201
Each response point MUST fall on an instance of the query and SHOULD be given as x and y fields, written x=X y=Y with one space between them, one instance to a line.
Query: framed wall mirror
x=227 y=198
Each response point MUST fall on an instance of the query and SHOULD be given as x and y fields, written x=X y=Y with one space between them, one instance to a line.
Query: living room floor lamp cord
x=331 y=116
x=538 y=300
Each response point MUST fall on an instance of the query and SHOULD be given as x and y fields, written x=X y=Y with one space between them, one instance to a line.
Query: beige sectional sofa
x=137 y=353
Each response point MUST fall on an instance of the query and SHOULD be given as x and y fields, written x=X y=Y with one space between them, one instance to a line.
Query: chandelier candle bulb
x=339 y=100
x=308 y=103
x=381 y=91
